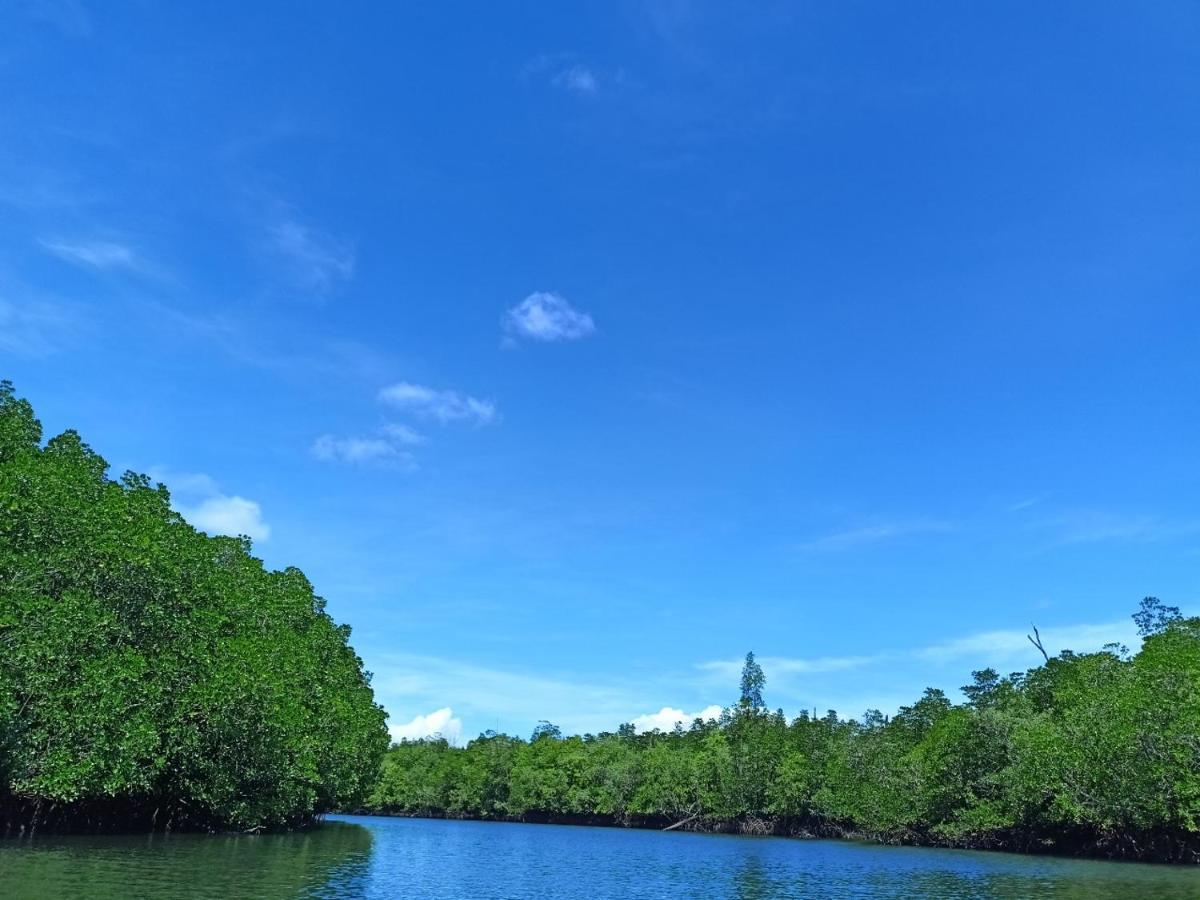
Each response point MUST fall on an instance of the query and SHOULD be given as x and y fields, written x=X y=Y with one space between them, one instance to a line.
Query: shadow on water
x=328 y=860
x=825 y=869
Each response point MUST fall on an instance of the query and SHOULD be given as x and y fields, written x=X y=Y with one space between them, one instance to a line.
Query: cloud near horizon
x=229 y=515
x=198 y=498
x=668 y=717
x=439 y=723
x=507 y=698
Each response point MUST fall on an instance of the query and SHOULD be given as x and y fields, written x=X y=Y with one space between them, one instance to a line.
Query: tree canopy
x=753 y=682
x=1092 y=753
x=151 y=675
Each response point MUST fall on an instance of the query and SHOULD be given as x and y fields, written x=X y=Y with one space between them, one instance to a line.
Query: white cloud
x=578 y=79
x=441 y=405
x=317 y=261
x=223 y=514
x=874 y=533
x=199 y=499
x=404 y=435
x=385 y=448
x=668 y=717
x=95 y=254
x=563 y=71
x=547 y=317
x=441 y=722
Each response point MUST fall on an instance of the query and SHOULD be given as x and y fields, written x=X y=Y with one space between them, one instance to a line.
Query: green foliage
x=753 y=682
x=1090 y=752
x=148 y=667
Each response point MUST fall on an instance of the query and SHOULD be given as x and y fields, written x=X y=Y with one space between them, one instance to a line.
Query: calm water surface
x=360 y=856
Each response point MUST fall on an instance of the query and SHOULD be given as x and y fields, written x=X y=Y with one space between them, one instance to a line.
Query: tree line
x=1095 y=753
x=152 y=676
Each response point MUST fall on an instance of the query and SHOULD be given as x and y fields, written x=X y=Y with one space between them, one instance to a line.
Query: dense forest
x=152 y=676
x=1094 y=753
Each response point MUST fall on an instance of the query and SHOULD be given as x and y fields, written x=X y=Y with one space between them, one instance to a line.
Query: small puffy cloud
x=668 y=717
x=317 y=261
x=439 y=723
x=544 y=316
x=441 y=405
x=228 y=515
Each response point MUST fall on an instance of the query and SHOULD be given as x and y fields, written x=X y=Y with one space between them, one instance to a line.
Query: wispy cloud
x=101 y=256
x=546 y=316
x=440 y=405
x=1009 y=645
x=578 y=79
x=1095 y=526
x=1026 y=503
x=872 y=534
x=316 y=262
x=97 y=254
x=199 y=499
x=565 y=72
x=389 y=447
x=727 y=670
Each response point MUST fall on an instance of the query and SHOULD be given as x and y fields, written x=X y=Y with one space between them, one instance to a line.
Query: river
x=364 y=856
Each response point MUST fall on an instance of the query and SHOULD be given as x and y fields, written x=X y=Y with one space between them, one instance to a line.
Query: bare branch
x=1036 y=640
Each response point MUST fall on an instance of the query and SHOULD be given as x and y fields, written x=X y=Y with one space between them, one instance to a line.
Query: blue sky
x=575 y=349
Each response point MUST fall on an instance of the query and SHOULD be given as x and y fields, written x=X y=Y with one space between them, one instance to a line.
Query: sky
x=574 y=350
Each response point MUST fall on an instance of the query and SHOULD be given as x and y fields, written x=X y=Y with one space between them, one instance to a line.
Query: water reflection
x=751 y=881
x=326 y=861
x=385 y=858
